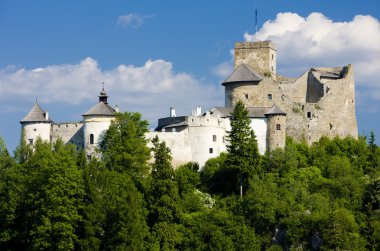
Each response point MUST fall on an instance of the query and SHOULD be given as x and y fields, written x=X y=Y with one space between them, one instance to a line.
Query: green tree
x=48 y=214
x=243 y=154
x=123 y=146
x=165 y=208
x=373 y=156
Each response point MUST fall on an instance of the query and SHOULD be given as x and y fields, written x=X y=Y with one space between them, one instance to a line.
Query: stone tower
x=276 y=128
x=261 y=56
x=36 y=124
x=95 y=122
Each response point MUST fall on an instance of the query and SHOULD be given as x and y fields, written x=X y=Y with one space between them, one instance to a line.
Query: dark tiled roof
x=243 y=73
x=275 y=110
x=100 y=109
x=36 y=114
x=253 y=112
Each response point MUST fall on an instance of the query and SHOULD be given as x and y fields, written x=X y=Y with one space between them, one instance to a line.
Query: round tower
x=276 y=128
x=36 y=124
x=95 y=122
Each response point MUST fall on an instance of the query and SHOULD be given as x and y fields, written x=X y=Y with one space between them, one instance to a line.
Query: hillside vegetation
x=320 y=197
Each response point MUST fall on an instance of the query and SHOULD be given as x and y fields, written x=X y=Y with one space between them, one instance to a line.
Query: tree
x=123 y=147
x=373 y=156
x=48 y=214
x=165 y=208
x=243 y=154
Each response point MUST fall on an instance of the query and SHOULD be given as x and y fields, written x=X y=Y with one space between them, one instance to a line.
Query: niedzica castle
x=321 y=102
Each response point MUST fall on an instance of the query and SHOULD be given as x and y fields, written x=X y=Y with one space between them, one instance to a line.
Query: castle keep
x=321 y=102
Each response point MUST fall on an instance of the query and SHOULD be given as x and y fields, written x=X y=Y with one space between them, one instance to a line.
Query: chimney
x=46 y=115
x=172 y=112
x=117 y=108
x=199 y=110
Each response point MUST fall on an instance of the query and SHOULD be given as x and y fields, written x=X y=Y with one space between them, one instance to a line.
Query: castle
x=321 y=102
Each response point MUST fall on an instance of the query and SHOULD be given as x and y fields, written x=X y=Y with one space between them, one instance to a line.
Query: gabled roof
x=275 y=110
x=100 y=109
x=243 y=73
x=36 y=114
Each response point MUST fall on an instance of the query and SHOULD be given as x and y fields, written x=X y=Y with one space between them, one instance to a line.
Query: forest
x=324 y=196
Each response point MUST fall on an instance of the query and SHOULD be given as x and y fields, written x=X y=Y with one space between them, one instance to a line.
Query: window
x=278 y=127
x=91 y=139
x=35 y=129
x=269 y=96
x=246 y=95
x=309 y=115
x=88 y=157
x=210 y=150
x=214 y=138
x=173 y=129
x=30 y=141
x=272 y=56
x=272 y=68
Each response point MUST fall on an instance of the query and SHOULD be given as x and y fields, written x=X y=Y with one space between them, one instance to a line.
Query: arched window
x=91 y=139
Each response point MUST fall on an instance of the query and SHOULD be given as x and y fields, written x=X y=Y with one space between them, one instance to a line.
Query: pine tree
x=243 y=154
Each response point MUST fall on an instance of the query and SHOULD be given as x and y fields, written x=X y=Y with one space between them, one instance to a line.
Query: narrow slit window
x=309 y=115
x=214 y=138
x=210 y=150
x=91 y=139
x=246 y=95
x=270 y=96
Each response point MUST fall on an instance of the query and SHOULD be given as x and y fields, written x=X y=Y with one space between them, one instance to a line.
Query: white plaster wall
x=96 y=126
x=260 y=127
x=35 y=130
x=201 y=140
x=178 y=142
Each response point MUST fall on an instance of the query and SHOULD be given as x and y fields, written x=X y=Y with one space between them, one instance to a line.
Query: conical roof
x=243 y=73
x=36 y=114
x=275 y=110
x=101 y=109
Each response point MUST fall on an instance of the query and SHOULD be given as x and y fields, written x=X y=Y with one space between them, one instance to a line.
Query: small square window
x=269 y=96
x=278 y=127
x=309 y=115
x=35 y=129
x=210 y=150
x=30 y=141
x=214 y=138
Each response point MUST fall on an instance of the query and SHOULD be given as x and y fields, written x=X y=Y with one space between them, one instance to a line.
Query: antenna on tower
x=255 y=19
x=103 y=85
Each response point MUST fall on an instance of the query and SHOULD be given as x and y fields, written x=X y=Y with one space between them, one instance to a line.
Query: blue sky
x=156 y=54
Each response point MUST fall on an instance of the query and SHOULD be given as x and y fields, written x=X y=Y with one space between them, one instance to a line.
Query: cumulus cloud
x=132 y=20
x=316 y=40
x=150 y=89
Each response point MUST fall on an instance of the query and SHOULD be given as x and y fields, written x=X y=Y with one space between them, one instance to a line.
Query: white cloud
x=316 y=40
x=150 y=89
x=223 y=70
x=132 y=20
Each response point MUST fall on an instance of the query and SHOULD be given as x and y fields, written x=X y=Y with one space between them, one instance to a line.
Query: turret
x=276 y=128
x=36 y=124
x=96 y=121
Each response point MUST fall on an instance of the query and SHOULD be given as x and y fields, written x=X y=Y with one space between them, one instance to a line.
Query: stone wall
x=71 y=133
x=276 y=132
x=261 y=56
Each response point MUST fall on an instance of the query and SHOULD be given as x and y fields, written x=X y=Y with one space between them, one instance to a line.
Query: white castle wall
x=95 y=125
x=34 y=130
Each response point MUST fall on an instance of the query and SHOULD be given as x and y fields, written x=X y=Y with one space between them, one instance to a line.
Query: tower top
x=36 y=115
x=103 y=96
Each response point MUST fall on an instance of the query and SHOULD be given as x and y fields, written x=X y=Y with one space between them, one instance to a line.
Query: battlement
x=255 y=45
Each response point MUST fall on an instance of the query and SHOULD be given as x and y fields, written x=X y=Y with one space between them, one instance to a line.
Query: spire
x=36 y=114
x=103 y=95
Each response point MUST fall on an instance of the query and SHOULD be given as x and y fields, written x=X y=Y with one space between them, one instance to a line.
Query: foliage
x=324 y=196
